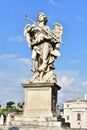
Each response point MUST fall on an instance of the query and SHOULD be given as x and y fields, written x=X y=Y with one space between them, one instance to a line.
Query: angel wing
x=58 y=31
x=27 y=28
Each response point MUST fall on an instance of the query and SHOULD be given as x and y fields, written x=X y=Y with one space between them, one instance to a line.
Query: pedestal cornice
x=28 y=85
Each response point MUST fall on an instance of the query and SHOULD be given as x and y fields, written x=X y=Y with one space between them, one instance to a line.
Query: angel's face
x=40 y=18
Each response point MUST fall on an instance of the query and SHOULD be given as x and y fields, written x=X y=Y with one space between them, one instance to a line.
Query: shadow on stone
x=13 y=128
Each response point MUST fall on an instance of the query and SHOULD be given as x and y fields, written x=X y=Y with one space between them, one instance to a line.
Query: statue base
x=36 y=121
x=40 y=105
x=40 y=99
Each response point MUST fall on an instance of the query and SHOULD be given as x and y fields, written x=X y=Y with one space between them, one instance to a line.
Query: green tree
x=10 y=103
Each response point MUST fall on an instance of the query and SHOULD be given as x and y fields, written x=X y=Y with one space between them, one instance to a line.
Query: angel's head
x=42 y=17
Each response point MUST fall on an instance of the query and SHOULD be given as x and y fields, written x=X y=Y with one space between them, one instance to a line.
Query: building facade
x=75 y=113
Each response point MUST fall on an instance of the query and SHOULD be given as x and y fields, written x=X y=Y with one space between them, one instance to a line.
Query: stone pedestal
x=40 y=106
x=40 y=99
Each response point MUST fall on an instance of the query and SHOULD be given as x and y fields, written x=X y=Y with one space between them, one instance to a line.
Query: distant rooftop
x=76 y=100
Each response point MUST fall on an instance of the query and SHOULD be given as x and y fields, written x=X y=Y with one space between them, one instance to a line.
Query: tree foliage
x=10 y=103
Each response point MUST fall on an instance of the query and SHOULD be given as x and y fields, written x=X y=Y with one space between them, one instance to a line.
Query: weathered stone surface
x=31 y=128
x=36 y=121
x=40 y=99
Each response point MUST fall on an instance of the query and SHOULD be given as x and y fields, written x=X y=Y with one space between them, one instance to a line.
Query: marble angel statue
x=45 y=44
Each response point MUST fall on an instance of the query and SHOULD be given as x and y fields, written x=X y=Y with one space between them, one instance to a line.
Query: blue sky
x=15 y=56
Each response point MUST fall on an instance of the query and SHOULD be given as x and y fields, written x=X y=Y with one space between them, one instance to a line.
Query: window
x=78 y=116
x=67 y=105
x=67 y=117
x=78 y=123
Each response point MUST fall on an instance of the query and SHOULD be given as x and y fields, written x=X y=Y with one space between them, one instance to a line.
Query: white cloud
x=10 y=86
x=67 y=81
x=18 y=38
x=73 y=86
x=26 y=61
x=79 y=18
x=66 y=78
x=52 y=2
x=56 y=3
x=75 y=61
x=23 y=80
x=84 y=84
x=16 y=59
x=16 y=70
x=8 y=94
x=8 y=56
